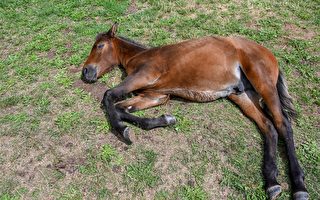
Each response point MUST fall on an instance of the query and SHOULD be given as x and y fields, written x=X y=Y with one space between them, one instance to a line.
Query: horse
x=200 y=70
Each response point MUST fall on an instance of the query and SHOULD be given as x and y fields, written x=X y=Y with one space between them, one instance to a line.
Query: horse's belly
x=202 y=96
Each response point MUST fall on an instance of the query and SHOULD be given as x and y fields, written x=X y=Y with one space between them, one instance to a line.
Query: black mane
x=133 y=42
x=105 y=35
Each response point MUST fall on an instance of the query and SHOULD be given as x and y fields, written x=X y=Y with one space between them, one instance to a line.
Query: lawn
x=55 y=141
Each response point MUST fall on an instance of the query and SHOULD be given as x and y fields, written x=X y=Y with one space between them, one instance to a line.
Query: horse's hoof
x=273 y=192
x=126 y=137
x=302 y=195
x=170 y=120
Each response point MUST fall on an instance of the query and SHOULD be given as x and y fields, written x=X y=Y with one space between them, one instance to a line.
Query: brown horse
x=200 y=70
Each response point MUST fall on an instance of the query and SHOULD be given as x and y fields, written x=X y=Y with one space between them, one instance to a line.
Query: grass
x=66 y=121
x=212 y=152
x=141 y=174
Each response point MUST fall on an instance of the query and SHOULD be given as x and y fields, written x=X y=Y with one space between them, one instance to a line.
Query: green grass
x=68 y=120
x=212 y=152
x=109 y=154
x=141 y=175
x=191 y=193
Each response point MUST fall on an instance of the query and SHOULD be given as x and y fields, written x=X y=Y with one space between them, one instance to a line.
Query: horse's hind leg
x=284 y=128
x=143 y=101
x=247 y=102
x=147 y=123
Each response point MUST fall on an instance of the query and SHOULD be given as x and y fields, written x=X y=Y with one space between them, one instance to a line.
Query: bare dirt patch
x=299 y=33
x=51 y=54
x=67 y=31
x=96 y=90
x=132 y=8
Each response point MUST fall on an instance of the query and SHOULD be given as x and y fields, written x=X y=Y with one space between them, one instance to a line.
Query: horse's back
x=195 y=62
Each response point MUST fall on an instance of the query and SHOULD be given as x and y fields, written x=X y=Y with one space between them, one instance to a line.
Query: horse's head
x=102 y=57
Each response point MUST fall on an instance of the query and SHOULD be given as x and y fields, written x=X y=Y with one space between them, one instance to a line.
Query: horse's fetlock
x=270 y=170
x=299 y=175
x=169 y=119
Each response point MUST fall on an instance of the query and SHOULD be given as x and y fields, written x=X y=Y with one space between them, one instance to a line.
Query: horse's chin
x=92 y=81
x=89 y=81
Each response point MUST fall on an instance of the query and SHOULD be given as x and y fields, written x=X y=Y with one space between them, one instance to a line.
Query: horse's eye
x=100 y=46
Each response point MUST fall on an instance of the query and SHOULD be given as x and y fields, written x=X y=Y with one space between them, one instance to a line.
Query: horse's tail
x=285 y=99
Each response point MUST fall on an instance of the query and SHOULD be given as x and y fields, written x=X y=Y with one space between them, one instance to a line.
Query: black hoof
x=302 y=195
x=126 y=137
x=170 y=120
x=273 y=192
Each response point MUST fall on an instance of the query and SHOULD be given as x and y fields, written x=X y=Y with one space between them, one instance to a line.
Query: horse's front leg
x=110 y=98
x=117 y=114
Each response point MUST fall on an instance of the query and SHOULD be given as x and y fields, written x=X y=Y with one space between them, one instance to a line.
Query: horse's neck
x=127 y=50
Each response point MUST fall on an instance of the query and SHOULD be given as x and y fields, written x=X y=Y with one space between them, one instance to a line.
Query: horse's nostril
x=85 y=70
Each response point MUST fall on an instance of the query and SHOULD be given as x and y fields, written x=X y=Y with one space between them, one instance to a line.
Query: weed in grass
x=35 y=193
x=68 y=120
x=162 y=195
x=9 y=101
x=7 y=188
x=198 y=172
x=16 y=122
x=101 y=125
x=109 y=154
x=235 y=180
x=84 y=96
x=8 y=84
x=142 y=175
x=232 y=179
x=140 y=113
x=104 y=194
x=45 y=86
x=309 y=153
x=8 y=197
x=56 y=175
x=183 y=122
x=42 y=104
x=76 y=60
x=28 y=73
x=72 y=193
x=63 y=79
x=68 y=101
x=112 y=78
x=105 y=78
x=90 y=167
x=190 y=193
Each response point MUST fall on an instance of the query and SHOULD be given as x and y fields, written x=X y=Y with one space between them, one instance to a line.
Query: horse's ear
x=113 y=30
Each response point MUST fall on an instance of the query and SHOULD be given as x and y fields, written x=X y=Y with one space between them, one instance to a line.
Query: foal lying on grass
x=200 y=70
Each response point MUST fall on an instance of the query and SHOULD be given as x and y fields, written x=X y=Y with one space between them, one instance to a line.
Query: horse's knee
x=108 y=95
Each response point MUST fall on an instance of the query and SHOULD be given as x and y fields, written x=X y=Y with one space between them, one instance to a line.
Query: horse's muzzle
x=89 y=74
